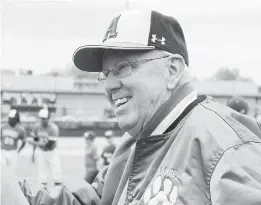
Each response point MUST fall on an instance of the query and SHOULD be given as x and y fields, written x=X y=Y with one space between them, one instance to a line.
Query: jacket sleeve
x=61 y=195
x=82 y=194
x=248 y=122
x=236 y=179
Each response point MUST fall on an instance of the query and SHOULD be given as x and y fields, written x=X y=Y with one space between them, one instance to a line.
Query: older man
x=179 y=148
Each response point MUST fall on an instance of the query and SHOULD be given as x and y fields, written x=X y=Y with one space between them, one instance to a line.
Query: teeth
x=120 y=101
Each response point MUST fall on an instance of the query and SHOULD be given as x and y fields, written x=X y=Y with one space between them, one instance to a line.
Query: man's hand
x=29 y=141
x=84 y=192
x=50 y=144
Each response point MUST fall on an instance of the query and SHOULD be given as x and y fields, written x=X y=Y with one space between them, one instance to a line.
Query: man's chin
x=128 y=127
x=124 y=126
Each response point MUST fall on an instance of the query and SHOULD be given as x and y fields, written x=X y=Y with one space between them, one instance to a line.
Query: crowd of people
x=179 y=147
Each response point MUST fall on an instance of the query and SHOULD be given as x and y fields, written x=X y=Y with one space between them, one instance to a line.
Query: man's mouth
x=121 y=101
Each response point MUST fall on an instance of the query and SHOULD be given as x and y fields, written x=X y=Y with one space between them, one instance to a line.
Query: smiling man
x=179 y=147
x=137 y=96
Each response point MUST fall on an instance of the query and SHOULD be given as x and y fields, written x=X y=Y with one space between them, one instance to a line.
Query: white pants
x=48 y=166
x=9 y=157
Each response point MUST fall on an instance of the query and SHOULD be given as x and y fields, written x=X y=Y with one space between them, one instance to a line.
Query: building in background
x=75 y=104
x=82 y=100
x=65 y=96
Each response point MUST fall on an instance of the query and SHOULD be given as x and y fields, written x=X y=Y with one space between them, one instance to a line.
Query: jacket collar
x=174 y=106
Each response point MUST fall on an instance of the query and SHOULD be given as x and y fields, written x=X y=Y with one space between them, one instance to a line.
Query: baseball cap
x=43 y=113
x=12 y=113
x=89 y=135
x=109 y=133
x=134 y=30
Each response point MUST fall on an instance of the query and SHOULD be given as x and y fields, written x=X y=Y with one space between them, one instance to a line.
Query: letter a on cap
x=111 y=32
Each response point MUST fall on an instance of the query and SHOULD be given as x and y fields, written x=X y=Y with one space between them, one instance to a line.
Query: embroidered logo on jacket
x=163 y=189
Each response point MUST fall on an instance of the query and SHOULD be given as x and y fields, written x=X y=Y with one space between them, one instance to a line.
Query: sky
x=42 y=34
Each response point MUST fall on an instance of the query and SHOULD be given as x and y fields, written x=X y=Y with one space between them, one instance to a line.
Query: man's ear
x=176 y=67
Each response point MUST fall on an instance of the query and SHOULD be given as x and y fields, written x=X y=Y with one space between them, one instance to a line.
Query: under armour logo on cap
x=154 y=39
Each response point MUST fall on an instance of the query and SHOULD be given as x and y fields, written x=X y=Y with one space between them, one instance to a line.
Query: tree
x=225 y=73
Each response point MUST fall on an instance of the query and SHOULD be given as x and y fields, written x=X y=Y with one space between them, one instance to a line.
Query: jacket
x=209 y=155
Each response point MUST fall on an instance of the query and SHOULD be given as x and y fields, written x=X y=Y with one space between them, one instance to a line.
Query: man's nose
x=111 y=82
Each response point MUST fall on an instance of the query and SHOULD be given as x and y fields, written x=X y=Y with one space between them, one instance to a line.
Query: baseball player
x=109 y=149
x=238 y=104
x=45 y=141
x=91 y=157
x=12 y=139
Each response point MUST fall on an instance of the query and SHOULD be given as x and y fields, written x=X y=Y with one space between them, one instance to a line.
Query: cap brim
x=89 y=58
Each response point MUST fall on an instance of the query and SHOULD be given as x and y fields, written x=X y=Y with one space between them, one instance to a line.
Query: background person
x=12 y=140
x=44 y=141
x=109 y=149
x=91 y=157
x=238 y=104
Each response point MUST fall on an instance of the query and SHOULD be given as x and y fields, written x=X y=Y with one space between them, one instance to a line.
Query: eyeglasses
x=123 y=68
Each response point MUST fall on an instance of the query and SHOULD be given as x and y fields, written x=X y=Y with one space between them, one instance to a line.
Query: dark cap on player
x=134 y=30
x=90 y=135
x=14 y=116
x=238 y=104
